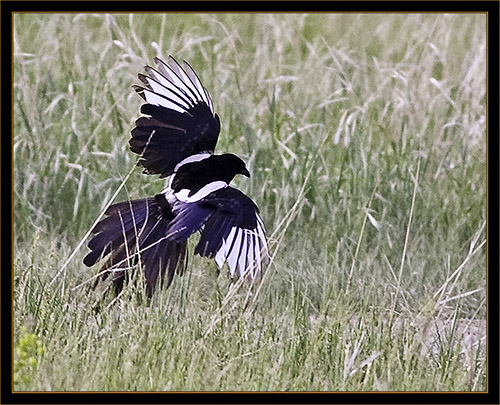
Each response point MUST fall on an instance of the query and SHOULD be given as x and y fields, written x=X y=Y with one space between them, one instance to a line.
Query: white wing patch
x=244 y=250
x=183 y=195
x=193 y=158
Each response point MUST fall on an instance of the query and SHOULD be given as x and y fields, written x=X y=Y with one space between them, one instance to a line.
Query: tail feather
x=135 y=233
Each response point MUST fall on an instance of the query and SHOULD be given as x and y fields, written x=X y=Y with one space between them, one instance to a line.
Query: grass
x=366 y=139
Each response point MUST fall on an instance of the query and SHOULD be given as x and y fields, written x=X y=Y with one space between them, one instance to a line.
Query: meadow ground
x=366 y=139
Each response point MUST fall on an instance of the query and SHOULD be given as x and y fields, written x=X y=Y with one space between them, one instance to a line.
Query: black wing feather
x=184 y=125
x=189 y=218
x=216 y=228
x=112 y=231
x=136 y=231
x=234 y=214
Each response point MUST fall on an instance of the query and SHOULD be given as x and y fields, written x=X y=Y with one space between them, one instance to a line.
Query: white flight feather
x=232 y=259
x=168 y=92
x=250 y=253
x=243 y=254
x=169 y=84
x=156 y=99
x=257 y=257
x=178 y=78
x=196 y=81
x=222 y=253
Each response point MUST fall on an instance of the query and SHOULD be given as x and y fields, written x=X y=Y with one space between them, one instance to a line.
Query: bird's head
x=234 y=165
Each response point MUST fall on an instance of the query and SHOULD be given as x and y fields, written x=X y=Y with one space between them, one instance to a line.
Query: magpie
x=175 y=138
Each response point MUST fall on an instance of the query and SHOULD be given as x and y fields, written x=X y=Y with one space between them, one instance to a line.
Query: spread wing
x=136 y=231
x=179 y=122
x=231 y=228
x=234 y=233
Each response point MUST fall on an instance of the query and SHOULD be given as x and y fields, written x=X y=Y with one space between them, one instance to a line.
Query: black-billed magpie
x=176 y=137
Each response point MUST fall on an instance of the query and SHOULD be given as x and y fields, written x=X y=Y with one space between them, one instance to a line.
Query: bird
x=175 y=138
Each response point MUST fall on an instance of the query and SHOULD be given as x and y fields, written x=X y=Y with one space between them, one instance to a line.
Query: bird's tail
x=135 y=233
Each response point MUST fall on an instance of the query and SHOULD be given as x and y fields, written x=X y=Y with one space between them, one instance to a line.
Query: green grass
x=366 y=139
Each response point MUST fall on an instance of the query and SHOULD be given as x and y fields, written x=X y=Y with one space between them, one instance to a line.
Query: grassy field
x=366 y=139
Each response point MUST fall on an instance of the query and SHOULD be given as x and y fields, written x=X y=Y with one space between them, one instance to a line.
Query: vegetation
x=366 y=139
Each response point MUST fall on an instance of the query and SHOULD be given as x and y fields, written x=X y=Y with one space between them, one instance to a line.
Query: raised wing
x=180 y=119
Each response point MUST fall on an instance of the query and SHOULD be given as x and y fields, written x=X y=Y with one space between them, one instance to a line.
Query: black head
x=233 y=165
x=197 y=174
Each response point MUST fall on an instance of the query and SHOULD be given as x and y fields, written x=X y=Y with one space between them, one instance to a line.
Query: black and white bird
x=176 y=137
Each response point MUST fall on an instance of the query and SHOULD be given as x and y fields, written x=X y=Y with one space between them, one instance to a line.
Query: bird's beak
x=245 y=172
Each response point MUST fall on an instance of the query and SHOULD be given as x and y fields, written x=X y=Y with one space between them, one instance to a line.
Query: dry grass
x=365 y=136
